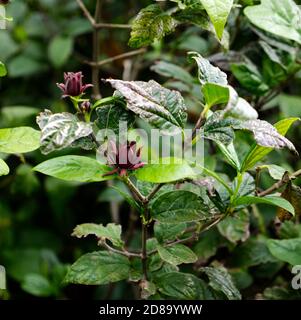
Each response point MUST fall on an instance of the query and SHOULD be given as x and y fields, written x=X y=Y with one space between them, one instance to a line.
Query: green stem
x=144 y=240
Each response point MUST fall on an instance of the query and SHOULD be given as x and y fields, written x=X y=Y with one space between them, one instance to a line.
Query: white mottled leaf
x=207 y=72
x=60 y=130
x=267 y=135
x=150 y=24
x=162 y=108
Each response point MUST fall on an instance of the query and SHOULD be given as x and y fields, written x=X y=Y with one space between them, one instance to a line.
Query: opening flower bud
x=73 y=84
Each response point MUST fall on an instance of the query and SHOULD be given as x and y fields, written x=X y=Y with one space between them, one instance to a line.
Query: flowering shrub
x=188 y=156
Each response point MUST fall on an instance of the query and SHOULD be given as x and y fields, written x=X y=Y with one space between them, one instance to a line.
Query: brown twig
x=112 y=26
x=86 y=12
x=126 y=253
x=112 y=59
x=131 y=227
x=144 y=240
x=98 y=25
x=136 y=193
x=257 y=179
x=96 y=52
x=286 y=178
x=154 y=192
x=195 y=235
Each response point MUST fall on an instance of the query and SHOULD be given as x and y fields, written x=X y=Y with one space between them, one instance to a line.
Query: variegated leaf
x=162 y=108
x=61 y=130
x=266 y=135
x=207 y=72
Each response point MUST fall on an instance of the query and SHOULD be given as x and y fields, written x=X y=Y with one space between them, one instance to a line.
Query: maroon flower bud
x=4 y=2
x=125 y=157
x=85 y=107
x=73 y=85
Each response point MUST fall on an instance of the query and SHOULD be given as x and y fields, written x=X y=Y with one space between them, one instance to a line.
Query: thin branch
x=131 y=227
x=257 y=180
x=195 y=235
x=280 y=183
x=144 y=240
x=111 y=26
x=98 y=25
x=124 y=252
x=134 y=190
x=96 y=52
x=118 y=57
x=154 y=191
x=86 y=12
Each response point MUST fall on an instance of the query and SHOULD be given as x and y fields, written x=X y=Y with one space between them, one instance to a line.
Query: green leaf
x=216 y=176
x=271 y=200
x=257 y=152
x=24 y=66
x=221 y=280
x=3 y=71
x=195 y=14
x=276 y=172
x=176 y=254
x=150 y=24
x=168 y=231
x=99 y=267
x=19 y=140
x=290 y=105
x=59 y=50
x=249 y=77
x=74 y=168
x=215 y=94
x=128 y=198
x=37 y=285
x=173 y=170
x=281 y=18
x=162 y=108
x=246 y=185
x=15 y=116
x=235 y=228
x=183 y=4
x=111 y=232
x=218 y=11
x=208 y=244
x=147 y=289
x=288 y=250
x=4 y=169
x=218 y=129
x=253 y=252
x=207 y=72
x=179 y=206
x=20 y=262
x=281 y=293
x=230 y=153
x=25 y=181
x=171 y=70
x=271 y=53
x=108 y=118
x=183 y=286
x=61 y=130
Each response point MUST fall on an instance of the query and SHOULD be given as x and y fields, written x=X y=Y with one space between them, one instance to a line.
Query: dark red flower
x=4 y=2
x=125 y=157
x=73 y=85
